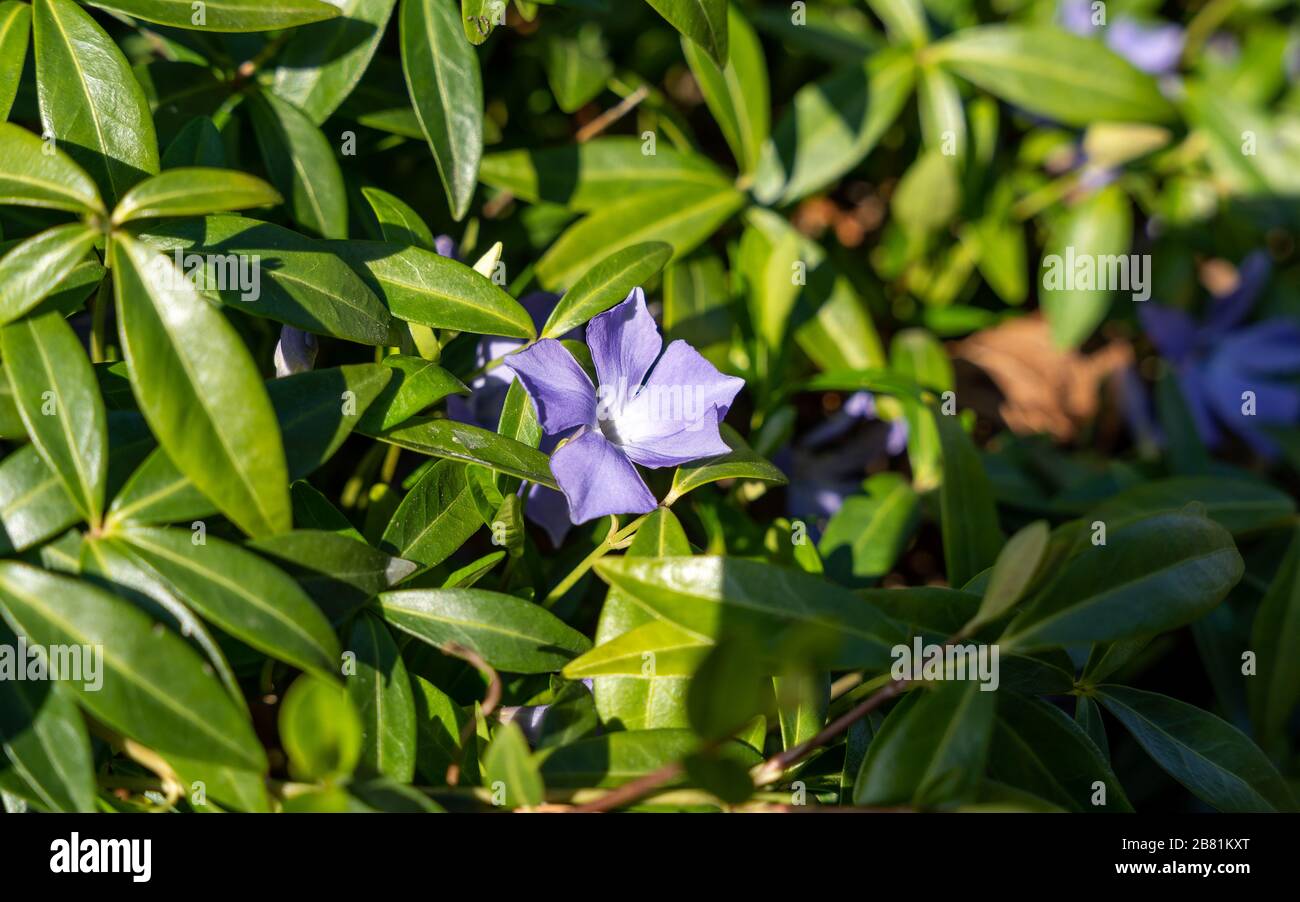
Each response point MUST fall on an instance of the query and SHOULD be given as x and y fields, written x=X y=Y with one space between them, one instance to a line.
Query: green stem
x=616 y=538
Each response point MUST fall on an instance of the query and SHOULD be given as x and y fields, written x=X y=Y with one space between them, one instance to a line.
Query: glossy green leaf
x=90 y=100
x=469 y=444
x=31 y=176
x=198 y=143
x=1241 y=506
x=727 y=689
x=1275 y=690
x=1212 y=758
x=420 y=286
x=58 y=399
x=154 y=687
x=737 y=93
x=398 y=223
x=1038 y=748
x=228 y=15
x=244 y=595
x=321 y=63
x=435 y=518
x=931 y=749
x=34 y=505
x=682 y=216
x=742 y=463
x=193 y=191
x=510 y=770
x=510 y=634
x=442 y=76
x=416 y=384
x=198 y=387
x=438 y=724
x=577 y=66
x=15 y=25
x=606 y=284
x=43 y=740
x=943 y=121
x=652 y=650
x=1152 y=575
x=1014 y=571
x=866 y=536
x=703 y=21
x=711 y=596
x=968 y=514
x=1054 y=73
x=320 y=729
x=293 y=280
x=832 y=125
x=36 y=266
x=381 y=692
x=301 y=164
x=770 y=258
x=620 y=757
x=591 y=175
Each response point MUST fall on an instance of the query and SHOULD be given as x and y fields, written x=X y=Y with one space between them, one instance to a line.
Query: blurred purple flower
x=653 y=409
x=1154 y=48
x=295 y=352
x=822 y=477
x=1219 y=359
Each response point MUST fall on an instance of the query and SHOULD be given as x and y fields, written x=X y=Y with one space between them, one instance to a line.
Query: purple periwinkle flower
x=1154 y=48
x=1232 y=374
x=652 y=409
x=295 y=352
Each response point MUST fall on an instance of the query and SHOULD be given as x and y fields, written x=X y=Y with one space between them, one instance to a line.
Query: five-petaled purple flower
x=1153 y=47
x=653 y=410
x=1218 y=360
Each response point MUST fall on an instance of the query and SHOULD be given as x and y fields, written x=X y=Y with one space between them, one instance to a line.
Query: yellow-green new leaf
x=32 y=176
x=15 y=24
x=34 y=268
x=1013 y=573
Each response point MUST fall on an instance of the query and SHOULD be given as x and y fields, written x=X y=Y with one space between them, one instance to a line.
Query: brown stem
x=490 y=702
x=611 y=115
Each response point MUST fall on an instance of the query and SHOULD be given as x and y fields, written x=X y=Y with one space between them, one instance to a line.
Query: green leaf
x=419 y=286
x=31 y=176
x=228 y=15
x=712 y=596
x=479 y=19
x=510 y=770
x=155 y=688
x=43 y=740
x=904 y=20
x=296 y=281
x=34 y=505
x=968 y=514
x=1152 y=575
x=577 y=66
x=239 y=592
x=321 y=64
x=339 y=572
x=319 y=729
x=727 y=689
x=35 y=267
x=1241 y=506
x=198 y=387
x=15 y=23
x=397 y=222
x=928 y=195
x=592 y=175
x=511 y=634
x=198 y=143
x=742 y=463
x=866 y=536
x=943 y=121
x=606 y=284
x=1049 y=71
x=620 y=757
x=737 y=93
x=301 y=163
x=1014 y=571
x=1209 y=756
x=931 y=749
x=1038 y=748
x=317 y=411
x=1095 y=229
x=442 y=76
x=90 y=100
x=381 y=692
x=832 y=125
x=703 y=21
x=416 y=384
x=770 y=257
x=438 y=722
x=652 y=650
x=457 y=441
x=193 y=191
x=58 y=399
x=435 y=518
x=682 y=216
x=1275 y=691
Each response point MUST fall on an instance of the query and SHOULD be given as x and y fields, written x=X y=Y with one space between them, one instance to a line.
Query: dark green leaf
x=381 y=692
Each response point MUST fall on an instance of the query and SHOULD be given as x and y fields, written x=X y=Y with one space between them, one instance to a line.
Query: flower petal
x=1172 y=330
x=624 y=343
x=561 y=391
x=694 y=440
x=1270 y=347
x=295 y=352
x=597 y=479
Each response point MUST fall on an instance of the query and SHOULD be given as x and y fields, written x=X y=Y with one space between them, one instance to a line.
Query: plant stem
x=615 y=539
